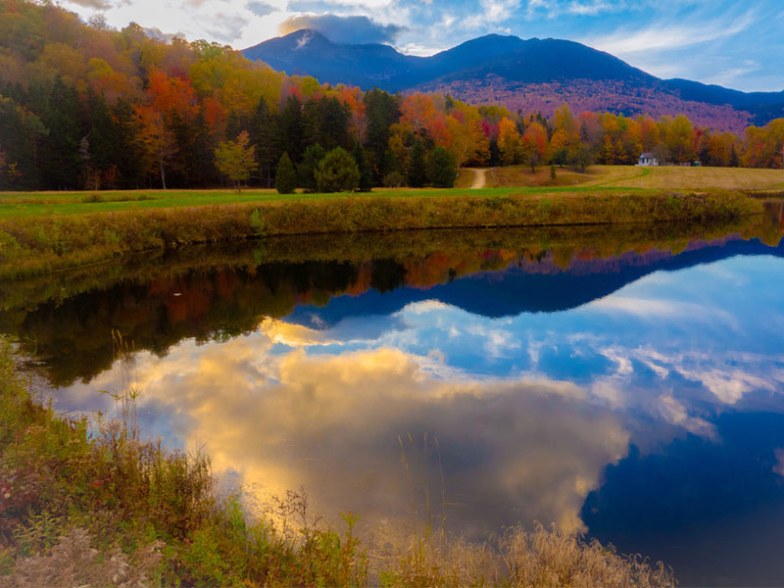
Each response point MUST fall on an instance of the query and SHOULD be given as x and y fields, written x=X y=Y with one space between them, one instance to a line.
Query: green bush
x=337 y=172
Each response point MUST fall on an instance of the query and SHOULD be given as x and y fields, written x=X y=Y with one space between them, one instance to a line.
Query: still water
x=627 y=384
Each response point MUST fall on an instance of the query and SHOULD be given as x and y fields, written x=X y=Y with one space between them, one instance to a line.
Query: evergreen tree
x=417 y=174
x=382 y=111
x=495 y=154
x=337 y=172
x=365 y=173
x=264 y=134
x=63 y=169
x=290 y=130
x=285 y=175
x=441 y=167
x=20 y=132
x=325 y=122
x=306 y=171
x=129 y=163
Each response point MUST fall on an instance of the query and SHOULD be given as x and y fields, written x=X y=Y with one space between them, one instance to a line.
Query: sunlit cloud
x=343 y=29
x=293 y=335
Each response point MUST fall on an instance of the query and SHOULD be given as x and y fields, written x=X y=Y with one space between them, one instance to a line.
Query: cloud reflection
x=373 y=430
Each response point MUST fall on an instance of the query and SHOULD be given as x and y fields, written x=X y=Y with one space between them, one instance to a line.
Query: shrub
x=337 y=172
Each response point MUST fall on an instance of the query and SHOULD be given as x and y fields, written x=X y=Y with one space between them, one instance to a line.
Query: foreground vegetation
x=83 y=506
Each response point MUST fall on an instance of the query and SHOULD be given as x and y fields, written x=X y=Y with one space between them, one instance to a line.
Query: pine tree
x=417 y=175
x=306 y=171
x=337 y=172
x=441 y=168
x=365 y=173
x=285 y=175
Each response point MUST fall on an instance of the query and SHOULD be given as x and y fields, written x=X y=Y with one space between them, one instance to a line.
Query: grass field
x=501 y=182
x=623 y=176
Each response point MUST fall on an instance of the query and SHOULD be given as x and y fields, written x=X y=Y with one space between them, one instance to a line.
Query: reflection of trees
x=208 y=293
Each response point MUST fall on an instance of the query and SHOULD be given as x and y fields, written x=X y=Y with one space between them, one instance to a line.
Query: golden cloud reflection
x=358 y=430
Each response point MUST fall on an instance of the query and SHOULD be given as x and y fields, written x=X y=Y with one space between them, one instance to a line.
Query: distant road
x=480 y=178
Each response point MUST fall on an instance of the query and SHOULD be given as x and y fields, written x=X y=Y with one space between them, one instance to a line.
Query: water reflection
x=634 y=393
x=340 y=424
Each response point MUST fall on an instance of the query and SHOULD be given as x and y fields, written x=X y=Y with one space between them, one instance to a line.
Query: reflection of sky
x=522 y=414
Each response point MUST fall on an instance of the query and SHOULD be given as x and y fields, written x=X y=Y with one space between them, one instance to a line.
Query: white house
x=648 y=159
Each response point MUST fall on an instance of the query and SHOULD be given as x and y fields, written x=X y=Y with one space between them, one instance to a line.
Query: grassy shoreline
x=44 y=241
x=82 y=507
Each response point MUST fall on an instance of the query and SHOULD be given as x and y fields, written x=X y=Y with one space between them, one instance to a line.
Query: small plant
x=257 y=222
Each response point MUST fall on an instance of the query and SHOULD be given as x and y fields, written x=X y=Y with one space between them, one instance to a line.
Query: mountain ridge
x=526 y=75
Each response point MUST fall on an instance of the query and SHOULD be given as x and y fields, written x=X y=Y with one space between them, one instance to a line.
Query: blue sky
x=735 y=44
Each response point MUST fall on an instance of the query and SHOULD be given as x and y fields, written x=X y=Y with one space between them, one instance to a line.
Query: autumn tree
x=509 y=143
x=535 y=144
x=236 y=159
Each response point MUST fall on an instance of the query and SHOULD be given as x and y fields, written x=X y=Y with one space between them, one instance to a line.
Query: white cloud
x=667 y=35
x=491 y=12
x=649 y=308
x=674 y=412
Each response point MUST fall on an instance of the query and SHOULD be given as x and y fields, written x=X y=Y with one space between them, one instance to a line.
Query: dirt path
x=480 y=178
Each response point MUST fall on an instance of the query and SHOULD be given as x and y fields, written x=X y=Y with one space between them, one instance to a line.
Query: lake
x=624 y=382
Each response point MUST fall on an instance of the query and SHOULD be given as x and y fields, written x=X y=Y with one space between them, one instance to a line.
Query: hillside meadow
x=624 y=176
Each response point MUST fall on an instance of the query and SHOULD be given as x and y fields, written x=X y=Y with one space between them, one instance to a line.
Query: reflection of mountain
x=159 y=308
x=531 y=286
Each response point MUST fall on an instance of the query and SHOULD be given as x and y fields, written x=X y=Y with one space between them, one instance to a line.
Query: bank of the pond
x=106 y=509
x=43 y=242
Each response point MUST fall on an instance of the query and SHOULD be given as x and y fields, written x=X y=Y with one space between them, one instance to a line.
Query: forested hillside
x=83 y=106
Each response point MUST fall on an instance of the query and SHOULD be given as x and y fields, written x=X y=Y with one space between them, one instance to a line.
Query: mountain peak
x=527 y=75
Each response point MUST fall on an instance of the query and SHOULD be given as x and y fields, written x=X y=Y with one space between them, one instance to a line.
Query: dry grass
x=522 y=176
x=624 y=176
x=75 y=562
x=540 y=558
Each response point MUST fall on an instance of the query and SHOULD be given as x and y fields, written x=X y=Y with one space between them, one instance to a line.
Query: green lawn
x=18 y=205
x=509 y=181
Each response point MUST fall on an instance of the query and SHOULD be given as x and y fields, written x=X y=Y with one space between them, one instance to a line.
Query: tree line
x=86 y=107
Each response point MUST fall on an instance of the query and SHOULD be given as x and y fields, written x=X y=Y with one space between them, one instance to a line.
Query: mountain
x=527 y=75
